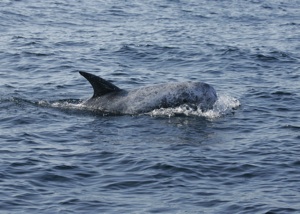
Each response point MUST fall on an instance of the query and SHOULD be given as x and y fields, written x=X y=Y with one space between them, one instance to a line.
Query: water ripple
x=240 y=157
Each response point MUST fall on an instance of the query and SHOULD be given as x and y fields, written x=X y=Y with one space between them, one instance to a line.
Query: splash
x=63 y=104
x=223 y=106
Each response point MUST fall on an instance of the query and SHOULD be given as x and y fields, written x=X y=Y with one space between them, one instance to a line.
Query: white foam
x=224 y=105
x=62 y=104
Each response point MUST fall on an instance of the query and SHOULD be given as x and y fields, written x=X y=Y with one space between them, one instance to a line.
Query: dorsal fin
x=100 y=86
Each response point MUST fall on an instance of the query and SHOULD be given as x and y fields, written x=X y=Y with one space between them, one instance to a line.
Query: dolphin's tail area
x=100 y=86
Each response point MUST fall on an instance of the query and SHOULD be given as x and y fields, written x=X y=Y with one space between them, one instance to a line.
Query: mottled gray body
x=146 y=99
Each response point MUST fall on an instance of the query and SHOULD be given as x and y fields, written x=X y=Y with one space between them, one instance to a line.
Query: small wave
x=72 y=106
x=223 y=106
x=62 y=104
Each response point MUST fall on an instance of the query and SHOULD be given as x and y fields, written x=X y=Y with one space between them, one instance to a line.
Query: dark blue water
x=58 y=158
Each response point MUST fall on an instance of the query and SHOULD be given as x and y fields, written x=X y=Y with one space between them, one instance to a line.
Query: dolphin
x=109 y=98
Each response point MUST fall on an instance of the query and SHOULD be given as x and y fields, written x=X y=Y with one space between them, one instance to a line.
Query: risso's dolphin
x=111 y=99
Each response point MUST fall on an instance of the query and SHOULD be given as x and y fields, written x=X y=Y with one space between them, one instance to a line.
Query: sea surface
x=243 y=156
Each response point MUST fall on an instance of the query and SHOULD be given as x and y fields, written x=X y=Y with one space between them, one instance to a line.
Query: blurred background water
x=57 y=159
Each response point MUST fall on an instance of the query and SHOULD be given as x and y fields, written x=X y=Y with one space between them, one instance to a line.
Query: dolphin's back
x=171 y=95
x=146 y=99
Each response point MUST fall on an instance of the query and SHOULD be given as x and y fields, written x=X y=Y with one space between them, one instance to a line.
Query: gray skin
x=111 y=99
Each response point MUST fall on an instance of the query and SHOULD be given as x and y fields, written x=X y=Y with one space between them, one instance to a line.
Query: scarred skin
x=146 y=99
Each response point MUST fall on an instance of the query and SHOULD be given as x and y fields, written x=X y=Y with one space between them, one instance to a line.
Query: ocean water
x=243 y=156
